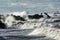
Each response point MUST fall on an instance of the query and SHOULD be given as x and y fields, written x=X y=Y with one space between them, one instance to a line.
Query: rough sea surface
x=16 y=34
x=31 y=29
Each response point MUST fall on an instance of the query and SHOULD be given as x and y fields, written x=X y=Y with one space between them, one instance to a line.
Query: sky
x=32 y=6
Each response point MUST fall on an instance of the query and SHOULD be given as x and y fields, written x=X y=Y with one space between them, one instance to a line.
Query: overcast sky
x=33 y=6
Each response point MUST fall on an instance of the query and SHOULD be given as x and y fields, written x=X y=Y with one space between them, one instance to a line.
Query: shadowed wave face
x=2 y=25
x=36 y=16
x=18 y=18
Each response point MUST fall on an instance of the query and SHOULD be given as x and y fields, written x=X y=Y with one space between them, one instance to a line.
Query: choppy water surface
x=17 y=34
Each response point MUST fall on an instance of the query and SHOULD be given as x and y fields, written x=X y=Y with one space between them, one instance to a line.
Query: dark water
x=25 y=38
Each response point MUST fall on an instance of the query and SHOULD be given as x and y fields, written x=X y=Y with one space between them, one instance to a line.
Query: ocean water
x=39 y=29
x=17 y=34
